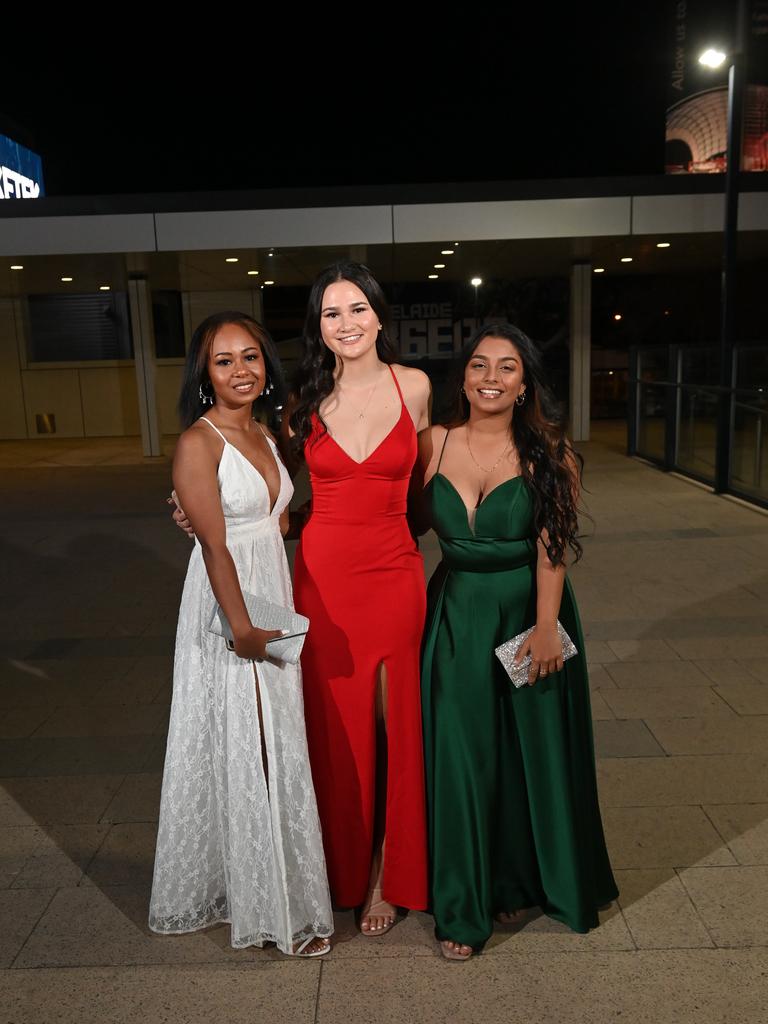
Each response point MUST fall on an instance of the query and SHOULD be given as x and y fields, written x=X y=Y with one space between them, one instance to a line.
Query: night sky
x=475 y=95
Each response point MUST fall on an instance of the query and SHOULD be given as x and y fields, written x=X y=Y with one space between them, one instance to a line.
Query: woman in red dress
x=359 y=577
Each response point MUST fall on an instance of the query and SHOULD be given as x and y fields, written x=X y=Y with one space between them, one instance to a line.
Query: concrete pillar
x=257 y=304
x=140 y=306
x=581 y=350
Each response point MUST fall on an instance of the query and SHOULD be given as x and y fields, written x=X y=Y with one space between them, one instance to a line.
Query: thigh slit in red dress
x=359 y=577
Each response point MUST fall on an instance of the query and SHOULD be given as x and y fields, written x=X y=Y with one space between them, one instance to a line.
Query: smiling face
x=493 y=377
x=348 y=323
x=236 y=366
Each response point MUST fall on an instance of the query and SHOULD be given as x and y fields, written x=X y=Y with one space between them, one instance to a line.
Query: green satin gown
x=513 y=813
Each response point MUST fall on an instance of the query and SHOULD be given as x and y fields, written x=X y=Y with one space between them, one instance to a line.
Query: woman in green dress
x=513 y=814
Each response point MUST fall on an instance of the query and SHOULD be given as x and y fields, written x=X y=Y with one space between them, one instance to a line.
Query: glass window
x=78 y=328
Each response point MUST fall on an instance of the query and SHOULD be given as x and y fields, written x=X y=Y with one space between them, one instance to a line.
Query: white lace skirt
x=238 y=839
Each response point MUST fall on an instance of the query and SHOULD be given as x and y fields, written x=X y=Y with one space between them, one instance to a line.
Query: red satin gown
x=359 y=577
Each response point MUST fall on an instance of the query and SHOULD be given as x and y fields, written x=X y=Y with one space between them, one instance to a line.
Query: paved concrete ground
x=673 y=593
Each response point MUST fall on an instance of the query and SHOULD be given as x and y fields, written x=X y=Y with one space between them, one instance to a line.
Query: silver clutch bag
x=266 y=615
x=507 y=652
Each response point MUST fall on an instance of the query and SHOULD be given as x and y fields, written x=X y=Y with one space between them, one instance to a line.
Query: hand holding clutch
x=286 y=646
x=519 y=673
x=254 y=645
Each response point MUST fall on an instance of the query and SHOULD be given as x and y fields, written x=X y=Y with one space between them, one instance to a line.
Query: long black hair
x=314 y=379
x=548 y=462
x=196 y=377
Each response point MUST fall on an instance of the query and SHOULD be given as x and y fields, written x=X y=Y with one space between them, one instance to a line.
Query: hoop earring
x=205 y=399
x=520 y=400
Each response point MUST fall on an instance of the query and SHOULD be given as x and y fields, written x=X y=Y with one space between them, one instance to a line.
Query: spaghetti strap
x=267 y=438
x=394 y=378
x=439 y=461
x=213 y=425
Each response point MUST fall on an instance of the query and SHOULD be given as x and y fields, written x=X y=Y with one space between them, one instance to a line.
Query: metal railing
x=673 y=421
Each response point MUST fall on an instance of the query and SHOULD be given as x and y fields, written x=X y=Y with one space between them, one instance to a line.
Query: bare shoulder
x=198 y=441
x=430 y=441
x=414 y=382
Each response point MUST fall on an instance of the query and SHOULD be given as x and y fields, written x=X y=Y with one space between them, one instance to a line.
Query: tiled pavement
x=672 y=591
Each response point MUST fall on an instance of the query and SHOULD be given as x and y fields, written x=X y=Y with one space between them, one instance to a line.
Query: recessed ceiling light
x=476 y=281
x=626 y=259
x=104 y=287
x=439 y=266
x=617 y=316
x=252 y=273
x=446 y=252
x=269 y=282
x=663 y=245
x=598 y=270
x=433 y=277
x=271 y=252
x=67 y=279
x=455 y=245
x=17 y=266
x=232 y=259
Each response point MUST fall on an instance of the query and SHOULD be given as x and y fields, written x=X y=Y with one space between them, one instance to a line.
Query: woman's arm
x=430 y=444
x=195 y=482
x=544 y=644
x=417 y=395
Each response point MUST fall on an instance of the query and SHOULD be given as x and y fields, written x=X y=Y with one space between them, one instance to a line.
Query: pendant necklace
x=483 y=468
x=361 y=412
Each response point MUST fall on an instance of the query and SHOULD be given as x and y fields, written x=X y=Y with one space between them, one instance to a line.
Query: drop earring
x=205 y=399
x=269 y=387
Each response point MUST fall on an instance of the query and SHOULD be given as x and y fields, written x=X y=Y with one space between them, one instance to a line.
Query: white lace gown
x=231 y=845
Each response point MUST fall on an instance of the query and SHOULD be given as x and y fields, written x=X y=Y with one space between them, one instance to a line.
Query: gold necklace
x=361 y=412
x=496 y=463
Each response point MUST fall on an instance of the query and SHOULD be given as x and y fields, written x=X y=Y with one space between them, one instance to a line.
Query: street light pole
x=736 y=90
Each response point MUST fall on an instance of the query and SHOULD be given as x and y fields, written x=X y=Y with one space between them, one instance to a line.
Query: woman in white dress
x=239 y=837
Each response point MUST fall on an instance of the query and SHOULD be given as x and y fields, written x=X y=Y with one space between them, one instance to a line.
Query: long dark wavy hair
x=314 y=379
x=547 y=459
x=196 y=377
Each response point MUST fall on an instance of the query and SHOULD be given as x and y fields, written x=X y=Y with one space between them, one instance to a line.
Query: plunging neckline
x=259 y=474
x=468 y=511
x=374 y=450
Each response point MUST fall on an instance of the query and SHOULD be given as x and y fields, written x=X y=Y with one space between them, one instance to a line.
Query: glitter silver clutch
x=266 y=615
x=507 y=652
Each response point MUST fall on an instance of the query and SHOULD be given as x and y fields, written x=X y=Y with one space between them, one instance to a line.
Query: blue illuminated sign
x=21 y=171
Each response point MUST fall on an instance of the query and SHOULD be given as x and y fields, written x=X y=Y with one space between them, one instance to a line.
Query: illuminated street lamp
x=715 y=57
x=476 y=282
